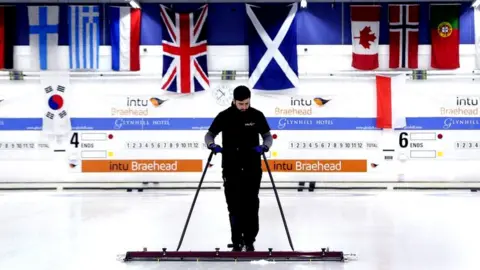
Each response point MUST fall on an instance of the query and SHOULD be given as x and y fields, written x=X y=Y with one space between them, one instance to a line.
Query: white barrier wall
x=311 y=58
x=333 y=142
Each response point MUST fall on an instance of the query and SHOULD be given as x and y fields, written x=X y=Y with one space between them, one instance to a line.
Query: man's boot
x=249 y=247
x=237 y=247
x=237 y=239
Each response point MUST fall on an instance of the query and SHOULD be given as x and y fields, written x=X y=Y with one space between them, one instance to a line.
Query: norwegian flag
x=184 y=50
x=403 y=22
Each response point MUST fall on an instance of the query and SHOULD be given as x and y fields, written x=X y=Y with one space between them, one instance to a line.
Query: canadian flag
x=365 y=35
x=390 y=101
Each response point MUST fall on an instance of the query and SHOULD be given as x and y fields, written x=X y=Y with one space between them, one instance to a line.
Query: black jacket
x=240 y=135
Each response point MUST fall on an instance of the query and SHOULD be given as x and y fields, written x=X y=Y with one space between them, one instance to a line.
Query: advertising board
x=330 y=135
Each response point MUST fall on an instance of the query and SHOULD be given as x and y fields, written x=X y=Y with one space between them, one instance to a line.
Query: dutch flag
x=125 y=38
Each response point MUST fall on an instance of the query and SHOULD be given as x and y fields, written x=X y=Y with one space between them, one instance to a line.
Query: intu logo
x=249 y=124
x=467 y=101
x=308 y=102
x=142 y=102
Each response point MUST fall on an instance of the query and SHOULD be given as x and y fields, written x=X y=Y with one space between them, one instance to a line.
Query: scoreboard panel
x=441 y=145
x=322 y=132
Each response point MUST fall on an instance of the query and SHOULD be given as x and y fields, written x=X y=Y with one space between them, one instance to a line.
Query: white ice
x=386 y=230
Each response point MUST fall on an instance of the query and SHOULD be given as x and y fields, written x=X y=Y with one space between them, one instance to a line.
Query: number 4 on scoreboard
x=74 y=139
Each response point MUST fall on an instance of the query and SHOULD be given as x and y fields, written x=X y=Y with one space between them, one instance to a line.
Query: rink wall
x=125 y=144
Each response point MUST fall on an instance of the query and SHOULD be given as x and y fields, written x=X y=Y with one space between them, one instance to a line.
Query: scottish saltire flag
x=272 y=46
x=125 y=38
x=84 y=36
x=184 y=42
x=43 y=29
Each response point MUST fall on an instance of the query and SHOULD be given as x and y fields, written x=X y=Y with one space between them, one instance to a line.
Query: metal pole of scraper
x=195 y=199
x=278 y=201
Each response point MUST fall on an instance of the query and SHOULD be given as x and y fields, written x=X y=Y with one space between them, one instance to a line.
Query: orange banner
x=96 y=166
x=313 y=165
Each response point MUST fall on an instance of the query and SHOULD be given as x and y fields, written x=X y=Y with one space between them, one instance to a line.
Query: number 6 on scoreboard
x=402 y=140
x=74 y=139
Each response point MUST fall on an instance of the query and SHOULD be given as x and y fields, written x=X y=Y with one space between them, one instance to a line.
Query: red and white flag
x=476 y=21
x=390 y=101
x=403 y=25
x=365 y=36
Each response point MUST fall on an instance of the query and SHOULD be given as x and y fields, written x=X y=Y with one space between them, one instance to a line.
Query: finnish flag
x=272 y=46
x=84 y=36
x=43 y=37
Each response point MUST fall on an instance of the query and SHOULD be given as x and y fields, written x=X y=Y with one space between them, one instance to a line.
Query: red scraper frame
x=323 y=255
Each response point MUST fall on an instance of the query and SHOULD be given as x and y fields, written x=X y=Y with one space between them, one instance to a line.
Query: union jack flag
x=184 y=40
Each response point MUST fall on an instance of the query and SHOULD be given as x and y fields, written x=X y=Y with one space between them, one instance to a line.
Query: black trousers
x=241 y=193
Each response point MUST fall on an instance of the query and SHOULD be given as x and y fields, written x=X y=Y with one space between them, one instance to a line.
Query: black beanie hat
x=241 y=92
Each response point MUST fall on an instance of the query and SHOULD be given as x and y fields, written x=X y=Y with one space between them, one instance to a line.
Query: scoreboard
x=185 y=151
x=326 y=131
x=421 y=144
x=134 y=151
x=177 y=145
x=442 y=145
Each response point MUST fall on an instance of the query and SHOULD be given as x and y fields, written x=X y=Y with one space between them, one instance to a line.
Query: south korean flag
x=56 y=120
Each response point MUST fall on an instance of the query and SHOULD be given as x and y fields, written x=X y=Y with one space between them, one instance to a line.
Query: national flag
x=272 y=46
x=476 y=15
x=365 y=36
x=84 y=36
x=184 y=42
x=403 y=47
x=390 y=97
x=444 y=23
x=125 y=25
x=56 y=119
x=7 y=36
x=43 y=22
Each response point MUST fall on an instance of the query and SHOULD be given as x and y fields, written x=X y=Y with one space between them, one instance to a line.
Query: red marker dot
x=274 y=136
x=440 y=136
x=110 y=136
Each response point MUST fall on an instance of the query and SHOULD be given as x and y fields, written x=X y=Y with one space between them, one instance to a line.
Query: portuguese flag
x=444 y=20
x=7 y=36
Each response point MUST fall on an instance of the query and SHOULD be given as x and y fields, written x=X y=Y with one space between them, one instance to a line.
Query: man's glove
x=215 y=148
x=261 y=149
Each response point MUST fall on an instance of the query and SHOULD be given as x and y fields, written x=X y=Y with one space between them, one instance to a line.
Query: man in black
x=241 y=126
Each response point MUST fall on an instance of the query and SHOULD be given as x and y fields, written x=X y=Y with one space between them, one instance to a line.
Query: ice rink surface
x=387 y=230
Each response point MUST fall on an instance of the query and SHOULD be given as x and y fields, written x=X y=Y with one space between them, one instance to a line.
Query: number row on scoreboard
x=331 y=145
x=22 y=145
x=467 y=145
x=165 y=145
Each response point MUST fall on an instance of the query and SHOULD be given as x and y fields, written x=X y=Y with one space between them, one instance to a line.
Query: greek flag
x=84 y=36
